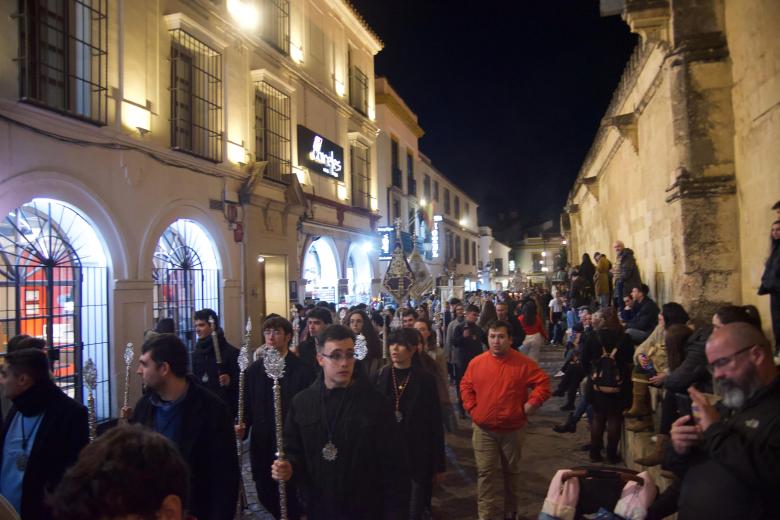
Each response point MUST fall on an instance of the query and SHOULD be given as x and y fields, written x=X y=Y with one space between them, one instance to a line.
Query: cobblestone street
x=544 y=451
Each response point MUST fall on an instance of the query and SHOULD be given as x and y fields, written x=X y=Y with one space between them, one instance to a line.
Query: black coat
x=644 y=315
x=733 y=474
x=595 y=343
x=63 y=432
x=467 y=348
x=204 y=362
x=693 y=369
x=370 y=477
x=421 y=424
x=770 y=280
x=259 y=408
x=208 y=446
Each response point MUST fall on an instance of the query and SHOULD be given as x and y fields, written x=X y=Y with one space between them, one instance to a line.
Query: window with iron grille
x=457 y=207
x=272 y=130
x=473 y=253
x=275 y=26
x=466 y=251
x=358 y=88
x=395 y=170
x=196 y=97
x=427 y=187
x=436 y=191
x=411 y=184
x=457 y=249
x=361 y=175
x=447 y=201
x=63 y=60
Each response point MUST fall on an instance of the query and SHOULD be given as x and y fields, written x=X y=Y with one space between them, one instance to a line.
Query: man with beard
x=222 y=379
x=729 y=459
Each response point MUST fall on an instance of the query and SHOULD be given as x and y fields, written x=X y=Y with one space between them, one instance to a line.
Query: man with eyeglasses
x=729 y=456
x=343 y=444
x=259 y=413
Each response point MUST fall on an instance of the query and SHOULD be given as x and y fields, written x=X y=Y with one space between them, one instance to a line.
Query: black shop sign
x=320 y=155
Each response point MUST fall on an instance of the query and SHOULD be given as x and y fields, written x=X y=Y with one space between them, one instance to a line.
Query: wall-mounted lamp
x=296 y=53
x=298 y=171
x=245 y=13
x=339 y=85
x=260 y=259
x=236 y=153
x=341 y=191
x=137 y=117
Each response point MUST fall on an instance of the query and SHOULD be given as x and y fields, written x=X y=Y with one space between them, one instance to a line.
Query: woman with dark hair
x=432 y=359
x=606 y=356
x=487 y=315
x=770 y=281
x=411 y=391
x=650 y=360
x=587 y=270
x=535 y=333
x=359 y=322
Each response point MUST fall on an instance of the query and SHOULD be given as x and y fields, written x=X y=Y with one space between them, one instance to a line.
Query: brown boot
x=657 y=456
x=641 y=403
x=640 y=424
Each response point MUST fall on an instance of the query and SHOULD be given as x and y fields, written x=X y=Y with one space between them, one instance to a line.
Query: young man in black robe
x=220 y=379
x=344 y=448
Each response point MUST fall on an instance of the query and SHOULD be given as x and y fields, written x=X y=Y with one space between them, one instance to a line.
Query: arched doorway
x=359 y=274
x=186 y=276
x=320 y=271
x=54 y=285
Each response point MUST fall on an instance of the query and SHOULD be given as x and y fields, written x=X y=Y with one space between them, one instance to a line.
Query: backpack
x=606 y=374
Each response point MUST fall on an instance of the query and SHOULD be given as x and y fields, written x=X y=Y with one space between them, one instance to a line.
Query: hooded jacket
x=629 y=272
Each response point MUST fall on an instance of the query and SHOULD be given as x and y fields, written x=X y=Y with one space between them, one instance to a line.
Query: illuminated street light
x=245 y=13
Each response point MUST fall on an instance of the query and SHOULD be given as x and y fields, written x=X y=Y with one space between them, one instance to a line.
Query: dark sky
x=509 y=93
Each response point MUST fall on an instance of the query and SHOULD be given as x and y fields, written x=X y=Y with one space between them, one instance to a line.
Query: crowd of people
x=363 y=431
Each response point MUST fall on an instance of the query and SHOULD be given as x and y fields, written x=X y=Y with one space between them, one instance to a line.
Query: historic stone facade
x=684 y=166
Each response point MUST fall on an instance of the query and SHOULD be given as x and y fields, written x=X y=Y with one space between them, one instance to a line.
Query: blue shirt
x=11 y=477
x=167 y=417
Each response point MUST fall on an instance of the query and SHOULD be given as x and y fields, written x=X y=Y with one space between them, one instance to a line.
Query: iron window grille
x=272 y=130
x=54 y=285
x=446 y=201
x=196 y=97
x=457 y=207
x=184 y=278
x=358 y=88
x=411 y=184
x=361 y=175
x=275 y=27
x=63 y=60
x=466 y=252
x=457 y=249
x=473 y=253
x=427 y=187
x=436 y=191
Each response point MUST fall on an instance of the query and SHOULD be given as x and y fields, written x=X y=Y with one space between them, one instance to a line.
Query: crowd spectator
x=587 y=272
x=626 y=272
x=360 y=324
x=601 y=283
x=729 y=457
x=487 y=316
x=316 y=320
x=555 y=330
x=128 y=472
x=644 y=315
x=516 y=333
x=770 y=281
x=468 y=342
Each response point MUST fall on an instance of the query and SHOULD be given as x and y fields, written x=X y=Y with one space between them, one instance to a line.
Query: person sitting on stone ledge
x=729 y=457
x=645 y=315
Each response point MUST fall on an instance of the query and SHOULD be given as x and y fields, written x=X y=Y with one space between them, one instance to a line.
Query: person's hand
x=658 y=379
x=281 y=470
x=530 y=409
x=240 y=430
x=466 y=332
x=643 y=362
x=684 y=435
x=125 y=413
x=703 y=412
x=224 y=379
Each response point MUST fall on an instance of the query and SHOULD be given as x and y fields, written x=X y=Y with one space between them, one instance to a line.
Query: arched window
x=186 y=276
x=359 y=274
x=54 y=285
x=320 y=271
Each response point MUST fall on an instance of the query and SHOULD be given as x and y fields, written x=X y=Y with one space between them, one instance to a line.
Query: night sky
x=510 y=94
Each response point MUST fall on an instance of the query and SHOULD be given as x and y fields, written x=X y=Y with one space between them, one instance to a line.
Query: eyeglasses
x=726 y=360
x=337 y=356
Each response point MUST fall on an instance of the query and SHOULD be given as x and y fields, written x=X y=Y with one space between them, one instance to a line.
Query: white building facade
x=158 y=157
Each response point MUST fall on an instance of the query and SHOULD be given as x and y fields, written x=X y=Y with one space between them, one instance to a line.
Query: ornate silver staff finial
x=128 y=356
x=273 y=362
x=361 y=347
x=90 y=379
x=296 y=327
x=243 y=364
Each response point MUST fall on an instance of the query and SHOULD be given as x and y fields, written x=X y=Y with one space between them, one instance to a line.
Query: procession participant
x=316 y=321
x=128 y=472
x=408 y=317
x=222 y=379
x=516 y=333
x=495 y=394
x=198 y=422
x=344 y=449
x=259 y=413
x=411 y=390
x=468 y=343
x=432 y=360
x=42 y=435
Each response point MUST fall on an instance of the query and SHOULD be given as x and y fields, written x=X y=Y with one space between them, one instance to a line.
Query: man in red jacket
x=495 y=393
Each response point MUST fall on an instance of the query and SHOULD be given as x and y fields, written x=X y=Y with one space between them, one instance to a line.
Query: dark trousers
x=668 y=413
x=268 y=496
x=612 y=421
x=774 y=309
x=570 y=383
x=421 y=493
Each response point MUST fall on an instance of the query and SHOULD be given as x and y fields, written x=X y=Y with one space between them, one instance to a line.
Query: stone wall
x=683 y=169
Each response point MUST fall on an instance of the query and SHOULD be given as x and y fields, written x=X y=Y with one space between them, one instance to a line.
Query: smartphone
x=684 y=405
